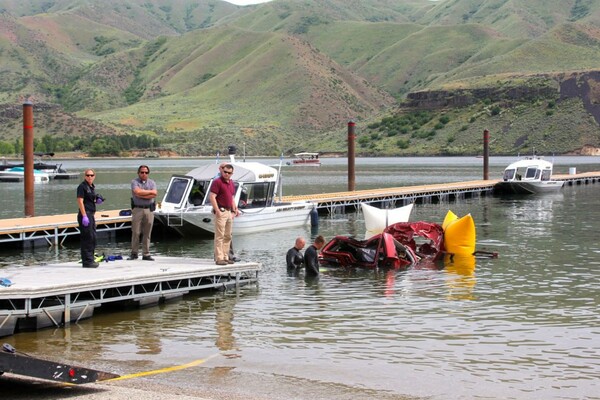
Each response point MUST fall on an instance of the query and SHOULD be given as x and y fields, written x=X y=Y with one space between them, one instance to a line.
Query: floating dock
x=397 y=196
x=400 y=196
x=59 y=294
x=54 y=229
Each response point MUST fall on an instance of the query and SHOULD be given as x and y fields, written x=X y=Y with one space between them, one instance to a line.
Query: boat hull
x=18 y=175
x=523 y=187
x=315 y=163
x=200 y=220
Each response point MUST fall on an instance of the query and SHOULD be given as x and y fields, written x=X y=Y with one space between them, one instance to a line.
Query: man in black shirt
x=311 y=257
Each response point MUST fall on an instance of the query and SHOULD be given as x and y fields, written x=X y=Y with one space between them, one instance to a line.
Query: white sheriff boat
x=186 y=206
x=529 y=176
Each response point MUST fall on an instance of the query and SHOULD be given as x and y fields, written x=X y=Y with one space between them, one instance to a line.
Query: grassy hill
x=288 y=74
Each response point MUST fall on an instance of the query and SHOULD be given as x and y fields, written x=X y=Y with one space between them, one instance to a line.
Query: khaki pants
x=142 y=220
x=223 y=229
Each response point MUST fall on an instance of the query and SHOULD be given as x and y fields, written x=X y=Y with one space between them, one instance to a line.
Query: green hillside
x=290 y=73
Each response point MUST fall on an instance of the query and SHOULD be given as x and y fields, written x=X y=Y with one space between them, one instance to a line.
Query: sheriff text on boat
x=186 y=207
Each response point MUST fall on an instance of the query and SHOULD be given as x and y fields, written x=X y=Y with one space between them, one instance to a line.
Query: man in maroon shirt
x=222 y=199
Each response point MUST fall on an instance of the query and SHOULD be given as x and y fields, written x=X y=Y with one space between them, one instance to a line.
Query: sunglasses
x=228 y=172
x=144 y=172
x=90 y=175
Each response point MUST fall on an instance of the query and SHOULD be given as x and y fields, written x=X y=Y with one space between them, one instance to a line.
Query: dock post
x=486 y=155
x=67 y=317
x=351 y=172
x=28 y=157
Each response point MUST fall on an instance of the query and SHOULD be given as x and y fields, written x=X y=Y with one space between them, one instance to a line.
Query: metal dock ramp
x=58 y=294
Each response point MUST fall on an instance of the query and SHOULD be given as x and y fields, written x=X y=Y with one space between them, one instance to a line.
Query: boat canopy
x=531 y=162
x=528 y=169
x=242 y=172
x=255 y=185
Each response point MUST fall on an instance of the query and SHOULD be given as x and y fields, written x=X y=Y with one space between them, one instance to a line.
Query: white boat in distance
x=17 y=174
x=530 y=175
x=306 y=159
x=41 y=164
x=186 y=206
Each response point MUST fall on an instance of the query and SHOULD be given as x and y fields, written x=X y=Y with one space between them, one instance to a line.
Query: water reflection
x=224 y=324
x=521 y=326
x=460 y=276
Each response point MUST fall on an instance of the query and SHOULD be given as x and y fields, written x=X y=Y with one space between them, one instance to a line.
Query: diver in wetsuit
x=311 y=257
x=294 y=258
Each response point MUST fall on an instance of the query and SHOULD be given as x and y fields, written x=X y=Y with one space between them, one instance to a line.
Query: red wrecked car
x=399 y=246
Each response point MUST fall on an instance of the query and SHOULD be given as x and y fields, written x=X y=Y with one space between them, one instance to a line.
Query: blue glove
x=5 y=282
x=85 y=221
x=99 y=200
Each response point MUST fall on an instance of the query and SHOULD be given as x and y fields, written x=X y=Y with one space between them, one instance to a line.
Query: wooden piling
x=351 y=157
x=28 y=178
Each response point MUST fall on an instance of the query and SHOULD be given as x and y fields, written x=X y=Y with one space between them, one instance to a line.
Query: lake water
x=523 y=326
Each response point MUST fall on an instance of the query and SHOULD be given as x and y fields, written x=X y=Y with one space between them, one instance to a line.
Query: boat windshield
x=198 y=193
x=258 y=194
x=532 y=173
x=176 y=190
x=546 y=174
x=509 y=174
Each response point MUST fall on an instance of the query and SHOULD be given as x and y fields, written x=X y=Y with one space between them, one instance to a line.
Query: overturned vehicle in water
x=400 y=245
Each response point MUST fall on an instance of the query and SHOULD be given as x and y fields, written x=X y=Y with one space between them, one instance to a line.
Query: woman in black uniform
x=87 y=200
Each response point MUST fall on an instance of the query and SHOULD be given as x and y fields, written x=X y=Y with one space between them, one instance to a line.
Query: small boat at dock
x=531 y=175
x=186 y=206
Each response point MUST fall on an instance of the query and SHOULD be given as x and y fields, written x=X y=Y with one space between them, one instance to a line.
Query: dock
x=54 y=229
x=400 y=196
x=60 y=294
x=397 y=196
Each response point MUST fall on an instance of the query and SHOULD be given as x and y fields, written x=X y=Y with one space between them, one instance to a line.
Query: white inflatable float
x=377 y=219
